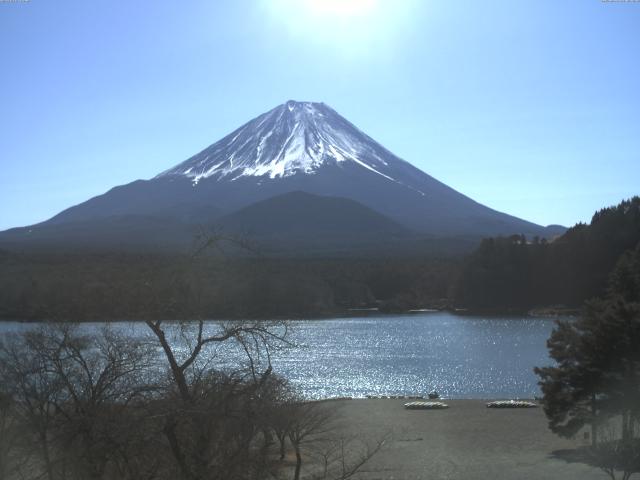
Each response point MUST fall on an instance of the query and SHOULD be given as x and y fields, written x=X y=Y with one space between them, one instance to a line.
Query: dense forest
x=503 y=274
x=127 y=286
x=520 y=274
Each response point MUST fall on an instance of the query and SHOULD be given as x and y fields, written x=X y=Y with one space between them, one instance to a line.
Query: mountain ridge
x=297 y=147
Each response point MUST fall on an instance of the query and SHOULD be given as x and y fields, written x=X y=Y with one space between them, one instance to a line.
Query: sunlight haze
x=530 y=108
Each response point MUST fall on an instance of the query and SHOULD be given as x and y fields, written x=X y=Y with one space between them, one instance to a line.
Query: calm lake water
x=458 y=356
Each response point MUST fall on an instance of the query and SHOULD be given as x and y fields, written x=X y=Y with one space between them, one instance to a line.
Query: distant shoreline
x=543 y=312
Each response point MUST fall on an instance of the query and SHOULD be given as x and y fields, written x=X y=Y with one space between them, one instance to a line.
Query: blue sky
x=530 y=107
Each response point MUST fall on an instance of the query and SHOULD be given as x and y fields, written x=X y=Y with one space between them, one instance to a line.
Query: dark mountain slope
x=312 y=223
x=304 y=214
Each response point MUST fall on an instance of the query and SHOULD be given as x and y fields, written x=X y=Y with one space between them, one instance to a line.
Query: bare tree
x=276 y=415
x=342 y=457
x=9 y=437
x=34 y=392
x=98 y=408
x=215 y=414
x=72 y=393
x=314 y=433
x=309 y=422
x=101 y=376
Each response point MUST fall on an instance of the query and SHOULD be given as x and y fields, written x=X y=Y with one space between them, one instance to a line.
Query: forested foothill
x=504 y=274
x=515 y=273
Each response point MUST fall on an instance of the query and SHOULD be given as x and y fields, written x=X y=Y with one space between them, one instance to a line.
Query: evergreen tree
x=597 y=374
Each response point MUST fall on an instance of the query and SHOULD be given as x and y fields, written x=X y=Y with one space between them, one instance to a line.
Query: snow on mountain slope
x=293 y=138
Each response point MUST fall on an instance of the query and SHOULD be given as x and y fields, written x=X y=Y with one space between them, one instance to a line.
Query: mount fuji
x=272 y=177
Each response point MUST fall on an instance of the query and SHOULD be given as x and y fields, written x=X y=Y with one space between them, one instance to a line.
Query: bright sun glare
x=341 y=8
x=351 y=26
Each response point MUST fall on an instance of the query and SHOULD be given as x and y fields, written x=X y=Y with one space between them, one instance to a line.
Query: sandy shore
x=466 y=441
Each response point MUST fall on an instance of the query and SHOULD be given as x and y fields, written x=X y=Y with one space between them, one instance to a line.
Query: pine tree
x=597 y=371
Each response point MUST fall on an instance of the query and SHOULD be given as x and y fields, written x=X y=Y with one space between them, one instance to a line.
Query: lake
x=457 y=356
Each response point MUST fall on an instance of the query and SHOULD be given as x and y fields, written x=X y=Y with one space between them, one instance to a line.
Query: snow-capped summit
x=293 y=138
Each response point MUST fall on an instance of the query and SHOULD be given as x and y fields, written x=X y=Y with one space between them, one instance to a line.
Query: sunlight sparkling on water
x=460 y=357
x=404 y=355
